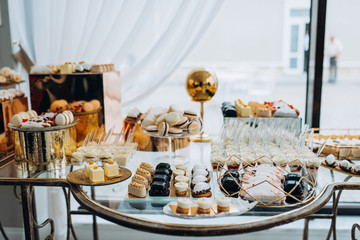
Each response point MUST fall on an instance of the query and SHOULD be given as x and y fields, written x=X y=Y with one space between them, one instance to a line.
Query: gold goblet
x=201 y=85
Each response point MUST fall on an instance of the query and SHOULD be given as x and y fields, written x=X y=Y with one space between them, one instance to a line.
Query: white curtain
x=146 y=40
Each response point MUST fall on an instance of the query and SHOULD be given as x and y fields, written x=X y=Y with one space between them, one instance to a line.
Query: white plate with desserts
x=207 y=207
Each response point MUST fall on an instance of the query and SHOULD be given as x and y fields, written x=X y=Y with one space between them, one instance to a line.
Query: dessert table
x=110 y=202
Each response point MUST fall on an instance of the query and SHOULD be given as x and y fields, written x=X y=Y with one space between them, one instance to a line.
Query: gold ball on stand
x=201 y=84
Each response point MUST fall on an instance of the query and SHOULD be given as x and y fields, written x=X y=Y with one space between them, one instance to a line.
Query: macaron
x=96 y=103
x=172 y=118
x=88 y=107
x=193 y=127
x=190 y=113
x=183 y=122
x=152 y=128
x=16 y=120
x=175 y=132
x=163 y=129
x=147 y=122
x=60 y=119
x=161 y=118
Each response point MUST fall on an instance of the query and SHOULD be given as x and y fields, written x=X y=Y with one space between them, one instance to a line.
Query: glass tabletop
x=151 y=208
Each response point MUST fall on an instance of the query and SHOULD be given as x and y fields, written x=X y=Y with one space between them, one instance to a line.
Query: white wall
x=243 y=31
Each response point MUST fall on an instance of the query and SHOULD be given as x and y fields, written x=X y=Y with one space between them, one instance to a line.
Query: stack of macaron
x=30 y=119
x=172 y=121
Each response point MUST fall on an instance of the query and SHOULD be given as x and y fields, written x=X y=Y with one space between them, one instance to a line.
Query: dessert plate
x=78 y=177
x=338 y=169
x=237 y=207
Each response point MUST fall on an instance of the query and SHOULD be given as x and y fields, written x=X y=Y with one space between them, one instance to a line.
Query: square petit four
x=88 y=166
x=96 y=174
x=111 y=169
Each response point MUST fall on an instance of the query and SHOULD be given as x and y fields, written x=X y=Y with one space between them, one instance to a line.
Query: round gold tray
x=78 y=177
x=45 y=129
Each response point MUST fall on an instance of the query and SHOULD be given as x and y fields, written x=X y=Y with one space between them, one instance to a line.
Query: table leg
x=95 y=229
x=3 y=232
x=306 y=229
x=336 y=200
x=354 y=227
x=27 y=211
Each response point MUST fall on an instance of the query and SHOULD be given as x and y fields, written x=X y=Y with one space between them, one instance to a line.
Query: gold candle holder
x=201 y=85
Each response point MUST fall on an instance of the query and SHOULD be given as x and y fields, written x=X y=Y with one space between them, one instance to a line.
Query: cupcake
x=201 y=189
x=330 y=160
x=345 y=165
x=233 y=163
x=183 y=206
x=204 y=205
x=223 y=204
x=181 y=189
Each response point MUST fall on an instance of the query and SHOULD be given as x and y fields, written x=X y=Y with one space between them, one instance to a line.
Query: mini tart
x=137 y=189
x=204 y=205
x=144 y=173
x=141 y=180
x=183 y=205
x=223 y=204
x=201 y=190
x=148 y=167
x=181 y=189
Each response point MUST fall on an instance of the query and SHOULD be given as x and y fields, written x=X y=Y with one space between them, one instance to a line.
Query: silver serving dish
x=47 y=148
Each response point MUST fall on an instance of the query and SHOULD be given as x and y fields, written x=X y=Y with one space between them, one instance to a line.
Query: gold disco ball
x=201 y=85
